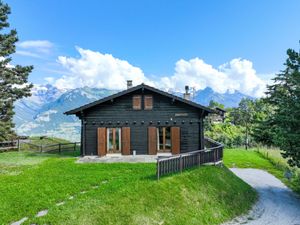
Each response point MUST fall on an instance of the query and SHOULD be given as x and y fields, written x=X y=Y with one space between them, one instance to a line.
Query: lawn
x=115 y=193
x=266 y=159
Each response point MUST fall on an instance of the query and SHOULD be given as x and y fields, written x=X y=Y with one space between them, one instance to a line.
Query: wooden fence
x=8 y=145
x=54 y=148
x=213 y=153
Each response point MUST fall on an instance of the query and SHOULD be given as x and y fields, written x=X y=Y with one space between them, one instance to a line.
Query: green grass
x=266 y=159
x=132 y=195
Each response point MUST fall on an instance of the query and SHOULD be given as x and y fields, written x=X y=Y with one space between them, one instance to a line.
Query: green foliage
x=213 y=104
x=246 y=123
x=131 y=195
x=284 y=96
x=13 y=81
x=228 y=134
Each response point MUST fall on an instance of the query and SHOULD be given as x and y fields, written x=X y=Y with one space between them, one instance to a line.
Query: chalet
x=141 y=120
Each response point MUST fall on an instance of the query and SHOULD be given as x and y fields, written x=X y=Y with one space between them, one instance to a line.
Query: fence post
x=180 y=163
x=59 y=148
x=19 y=145
x=157 y=171
x=41 y=148
x=74 y=146
x=215 y=156
x=198 y=158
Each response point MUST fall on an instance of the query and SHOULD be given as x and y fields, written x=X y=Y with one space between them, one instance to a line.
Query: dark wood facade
x=137 y=113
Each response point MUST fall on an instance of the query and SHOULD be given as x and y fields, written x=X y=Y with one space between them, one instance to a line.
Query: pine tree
x=13 y=79
x=284 y=95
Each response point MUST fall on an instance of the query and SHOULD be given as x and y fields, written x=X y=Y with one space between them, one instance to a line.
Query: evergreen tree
x=263 y=126
x=284 y=96
x=13 y=79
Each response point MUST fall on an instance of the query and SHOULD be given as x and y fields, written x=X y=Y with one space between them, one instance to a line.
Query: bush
x=227 y=133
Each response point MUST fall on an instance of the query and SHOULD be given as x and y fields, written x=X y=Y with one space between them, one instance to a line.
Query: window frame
x=114 y=138
x=164 y=141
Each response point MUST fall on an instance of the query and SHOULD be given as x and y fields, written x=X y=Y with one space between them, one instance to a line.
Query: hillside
x=206 y=195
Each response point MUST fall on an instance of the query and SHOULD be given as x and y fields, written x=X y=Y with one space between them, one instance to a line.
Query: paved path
x=118 y=158
x=277 y=205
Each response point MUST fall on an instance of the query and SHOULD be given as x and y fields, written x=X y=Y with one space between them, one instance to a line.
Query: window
x=113 y=140
x=137 y=102
x=164 y=139
x=148 y=102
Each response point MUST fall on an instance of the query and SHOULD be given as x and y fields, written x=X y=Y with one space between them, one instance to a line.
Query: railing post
x=199 y=159
x=214 y=156
x=19 y=145
x=41 y=148
x=180 y=163
x=59 y=148
x=74 y=146
x=157 y=169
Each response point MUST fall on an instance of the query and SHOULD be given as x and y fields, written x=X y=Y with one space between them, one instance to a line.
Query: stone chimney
x=187 y=94
x=129 y=84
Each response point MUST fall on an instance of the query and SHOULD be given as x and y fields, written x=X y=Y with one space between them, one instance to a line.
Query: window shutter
x=101 y=141
x=152 y=140
x=148 y=102
x=125 y=140
x=175 y=139
x=137 y=102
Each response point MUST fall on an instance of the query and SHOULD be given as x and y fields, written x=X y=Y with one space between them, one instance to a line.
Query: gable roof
x=141 y=86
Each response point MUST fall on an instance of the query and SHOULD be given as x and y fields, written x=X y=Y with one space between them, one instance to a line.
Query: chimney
x=129 y=84
x=187 y=95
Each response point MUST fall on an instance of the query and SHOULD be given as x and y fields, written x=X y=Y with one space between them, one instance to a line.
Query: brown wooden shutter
x=148 y=102
x=126 y=140
x=152 y=141
x=137 y=102
x=101 y=141
x=175 y=139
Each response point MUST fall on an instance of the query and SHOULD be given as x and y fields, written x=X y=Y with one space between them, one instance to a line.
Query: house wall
x=165 y=112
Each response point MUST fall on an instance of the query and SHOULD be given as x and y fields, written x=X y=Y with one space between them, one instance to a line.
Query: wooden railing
x=7 y=145
x=55 y=148
x=213 y=153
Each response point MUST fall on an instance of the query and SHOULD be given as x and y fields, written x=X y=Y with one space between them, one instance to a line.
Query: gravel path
x=277 y=204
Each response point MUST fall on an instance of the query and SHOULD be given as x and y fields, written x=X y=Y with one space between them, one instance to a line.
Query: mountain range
x=42 y=112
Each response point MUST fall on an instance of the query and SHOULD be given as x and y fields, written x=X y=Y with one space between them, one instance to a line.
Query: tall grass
x=274 y=156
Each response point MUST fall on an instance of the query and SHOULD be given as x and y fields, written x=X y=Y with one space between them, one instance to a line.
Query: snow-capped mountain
x=27 y=108
x=48 y=118
x=228 y=99
x=42 y=113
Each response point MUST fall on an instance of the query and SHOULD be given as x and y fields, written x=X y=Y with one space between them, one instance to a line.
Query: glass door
x=113 y=140
x=164 y=139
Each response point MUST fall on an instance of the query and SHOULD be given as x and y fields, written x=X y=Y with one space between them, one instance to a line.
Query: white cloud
x=50 y=80
x=34 y=48
x=105 y=71
x=238 y=74
x=28 y=53
x=98 y=70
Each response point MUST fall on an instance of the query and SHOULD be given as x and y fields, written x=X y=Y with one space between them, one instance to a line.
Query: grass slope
x=130 y=194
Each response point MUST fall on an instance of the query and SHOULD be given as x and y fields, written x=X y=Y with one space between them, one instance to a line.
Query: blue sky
x=152 y=37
